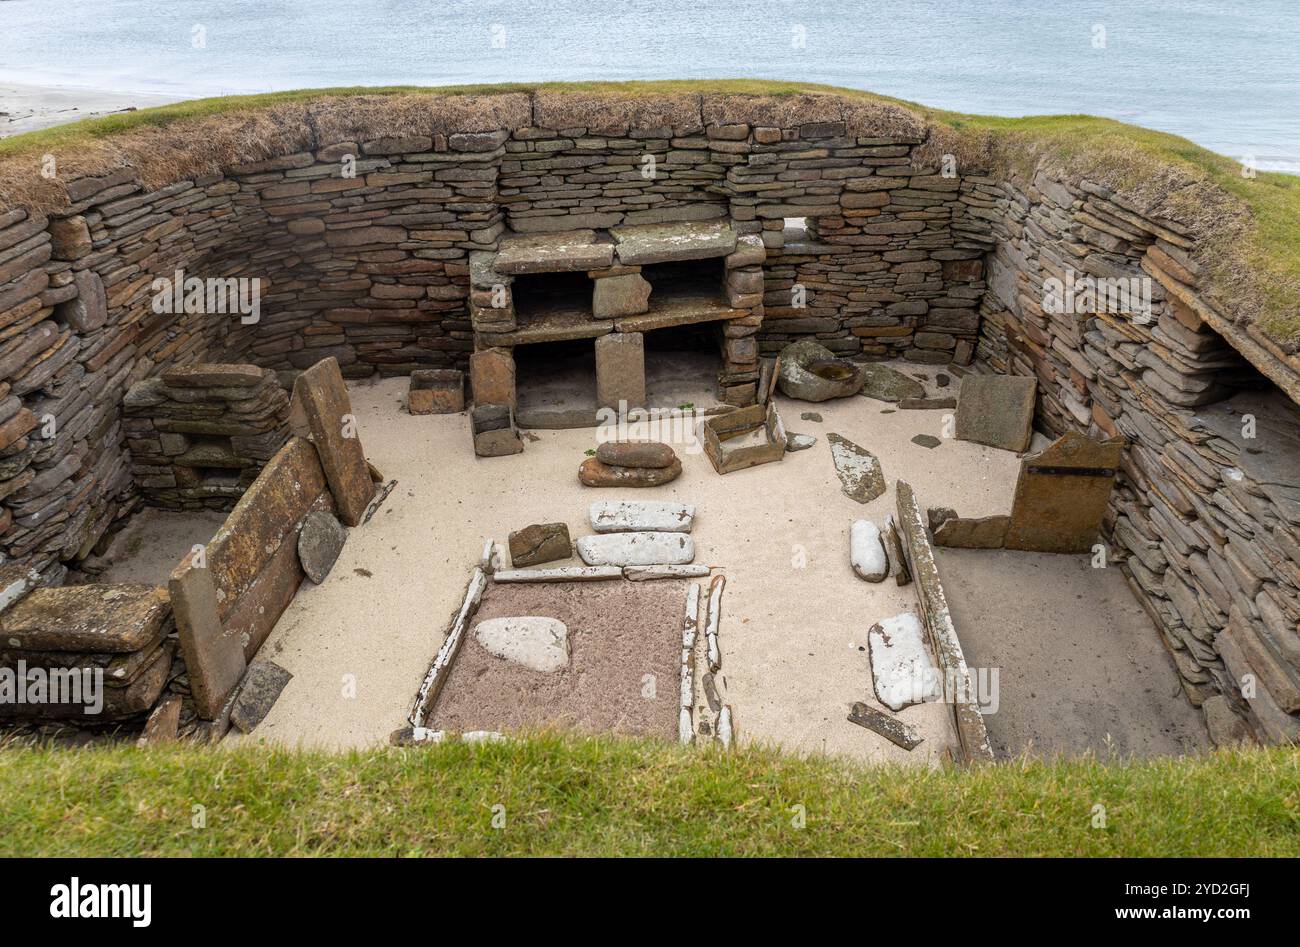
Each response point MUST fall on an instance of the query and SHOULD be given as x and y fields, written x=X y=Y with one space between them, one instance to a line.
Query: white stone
x=636 y=549
x=648 y=573
x=867 y=552
x=725 y=728
x=540 y=644
x=562 y=574
x=901 y=669
x=627 y=516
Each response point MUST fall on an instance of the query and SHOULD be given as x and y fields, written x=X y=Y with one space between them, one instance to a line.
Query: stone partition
x=370 y=224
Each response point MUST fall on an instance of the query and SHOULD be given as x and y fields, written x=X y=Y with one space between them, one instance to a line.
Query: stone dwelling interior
x=870 y=493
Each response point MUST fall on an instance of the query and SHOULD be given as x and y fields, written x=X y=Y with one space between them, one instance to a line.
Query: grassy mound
x=565 y=795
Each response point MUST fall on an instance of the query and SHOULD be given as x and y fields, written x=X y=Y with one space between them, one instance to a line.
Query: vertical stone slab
x=492 y=377
x=997 y=410
x=1062 y=494
x=972 y=735
x=323 y=405
x=214 y=658
x=620 y=370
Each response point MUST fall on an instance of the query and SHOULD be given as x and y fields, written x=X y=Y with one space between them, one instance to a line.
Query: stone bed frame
x=363 y=222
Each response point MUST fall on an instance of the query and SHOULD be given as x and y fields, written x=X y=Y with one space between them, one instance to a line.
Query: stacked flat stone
x=882 y=268
x=630 y=464
x=199 y=435
x=1205 y=517
x=116 y=638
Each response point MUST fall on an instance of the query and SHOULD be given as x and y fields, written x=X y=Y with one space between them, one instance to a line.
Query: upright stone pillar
x=620 y=370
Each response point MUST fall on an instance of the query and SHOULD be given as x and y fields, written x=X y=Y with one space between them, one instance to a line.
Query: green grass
x=564 y=795
x=1253 y=247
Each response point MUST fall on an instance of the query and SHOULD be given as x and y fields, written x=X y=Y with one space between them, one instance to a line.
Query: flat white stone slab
x=539 y=644
x=901 y=669
x=563 y=574
x=627 y=516
x=636 y=549
x=648 y=573
x=867 y=552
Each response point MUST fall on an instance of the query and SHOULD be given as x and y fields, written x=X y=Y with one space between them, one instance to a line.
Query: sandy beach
x=26 y=108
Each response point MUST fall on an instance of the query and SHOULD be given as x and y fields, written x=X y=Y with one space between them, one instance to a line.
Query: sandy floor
x=26 y=108
x=155 y=541
x=1081 y=666
x=795 y=617
x=625 y=644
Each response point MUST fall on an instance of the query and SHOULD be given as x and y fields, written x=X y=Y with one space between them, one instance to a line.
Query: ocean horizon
x=1229 y=81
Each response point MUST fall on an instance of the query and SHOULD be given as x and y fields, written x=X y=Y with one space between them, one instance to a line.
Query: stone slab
x=627 y=294
x=322 y=401
x=493 y=429
x=901 y=670
x=436 y=391
x=630 y=516
x=620 y=370
x=214 y=375
x=636 y=549
x=320 y=541
x=859 y=471
x=273 y=506
x=214 y=656
x=16 y=580
x=661 y=243
x=1062 y=493
x=553 y=253
x=262 y=686
x=651 y=573
x=918 y=556
x=887 y=384
x=252 y=616
x=534 y=642
x=997 y=410
x=889 y=727
x=163 y=723
x=538 y=543
x=492 y=377
x=562 y=574
x=987 y=532
x=112 y=619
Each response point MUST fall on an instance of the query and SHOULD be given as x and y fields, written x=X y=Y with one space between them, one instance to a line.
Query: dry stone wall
x=1205 y=520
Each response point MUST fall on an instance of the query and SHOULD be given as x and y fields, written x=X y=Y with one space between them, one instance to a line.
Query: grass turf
x=566 y=795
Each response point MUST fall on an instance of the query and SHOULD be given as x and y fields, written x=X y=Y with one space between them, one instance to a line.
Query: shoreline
x=28 y=108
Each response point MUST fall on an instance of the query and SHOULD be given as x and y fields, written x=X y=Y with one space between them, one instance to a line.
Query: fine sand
x=27 y=108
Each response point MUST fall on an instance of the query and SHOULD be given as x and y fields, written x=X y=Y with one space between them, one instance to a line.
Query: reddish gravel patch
x=619 y=632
